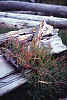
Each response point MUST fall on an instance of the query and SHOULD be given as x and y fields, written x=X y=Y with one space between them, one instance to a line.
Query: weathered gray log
x=46 y=8
x=20 y=20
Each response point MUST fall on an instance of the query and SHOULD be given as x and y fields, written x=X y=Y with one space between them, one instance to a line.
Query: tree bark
x=26 y=6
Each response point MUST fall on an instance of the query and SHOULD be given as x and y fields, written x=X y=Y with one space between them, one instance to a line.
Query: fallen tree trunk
x=20 y=20
x=26 y=6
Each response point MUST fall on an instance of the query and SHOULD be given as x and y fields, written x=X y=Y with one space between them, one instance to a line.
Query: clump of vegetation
x=47 y=73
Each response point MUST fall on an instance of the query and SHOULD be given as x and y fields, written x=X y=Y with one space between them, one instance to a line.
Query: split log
x=20 y=20
x=26 y=6
x=24 y=34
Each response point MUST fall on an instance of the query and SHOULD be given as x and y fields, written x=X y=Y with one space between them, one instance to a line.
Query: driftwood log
x=46 y=8
x=20 y=20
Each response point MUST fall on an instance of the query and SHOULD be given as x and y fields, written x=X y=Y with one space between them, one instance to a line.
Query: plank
x=5 y=68
x=9 y=78
x=11 y=82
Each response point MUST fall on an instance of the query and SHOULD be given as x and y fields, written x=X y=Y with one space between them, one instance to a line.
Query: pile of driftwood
x=32 y=20
x=50 y=35
x=45 y=35
x=32 y=28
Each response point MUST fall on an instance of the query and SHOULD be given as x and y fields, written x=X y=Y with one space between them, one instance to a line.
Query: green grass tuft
x=63 y=35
